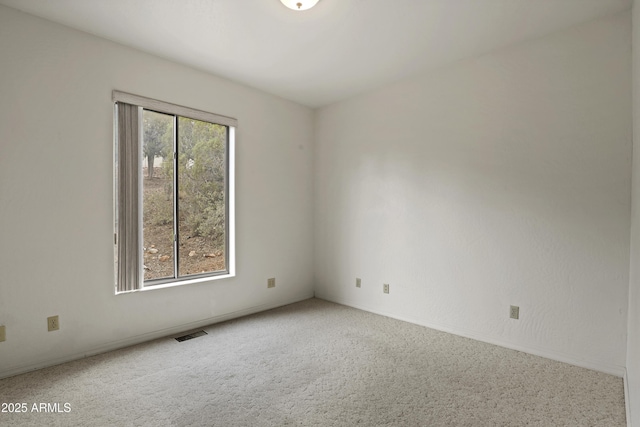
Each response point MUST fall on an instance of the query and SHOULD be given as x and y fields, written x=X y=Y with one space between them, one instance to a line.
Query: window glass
x=201 y=196
x=194 y=216
x=158 y=209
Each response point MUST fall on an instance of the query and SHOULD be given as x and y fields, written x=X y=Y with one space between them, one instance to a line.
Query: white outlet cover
x=514 y=312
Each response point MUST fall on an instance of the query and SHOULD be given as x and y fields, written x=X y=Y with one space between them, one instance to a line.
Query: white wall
x=501 y=180
x=56 y=222
x=633 y=328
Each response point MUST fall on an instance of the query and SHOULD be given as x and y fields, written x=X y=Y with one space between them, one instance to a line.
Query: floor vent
x=191 y=336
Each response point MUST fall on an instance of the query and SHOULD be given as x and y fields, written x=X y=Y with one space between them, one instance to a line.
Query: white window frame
x=129 y=272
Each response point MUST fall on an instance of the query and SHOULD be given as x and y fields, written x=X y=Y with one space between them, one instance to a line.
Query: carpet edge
x=139 y=339
x=616 y=370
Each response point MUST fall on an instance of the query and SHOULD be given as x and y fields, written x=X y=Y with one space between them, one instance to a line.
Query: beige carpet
x=316 y=364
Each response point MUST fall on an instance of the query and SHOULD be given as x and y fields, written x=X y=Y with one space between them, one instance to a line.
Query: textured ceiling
x=331 y=52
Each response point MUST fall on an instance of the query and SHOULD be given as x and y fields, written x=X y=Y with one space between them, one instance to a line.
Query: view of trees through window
x=183 y=197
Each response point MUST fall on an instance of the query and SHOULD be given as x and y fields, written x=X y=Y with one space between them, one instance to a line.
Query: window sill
x=180 y=283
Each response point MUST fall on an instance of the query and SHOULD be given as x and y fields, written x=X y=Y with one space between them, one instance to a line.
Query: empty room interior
x=358 y=212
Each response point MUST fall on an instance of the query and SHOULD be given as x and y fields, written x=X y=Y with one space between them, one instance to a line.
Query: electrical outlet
x=271 y=283
x=3 y=333
x=53 y=324
x=358 y=282
x=514 y=312
x=385 y=288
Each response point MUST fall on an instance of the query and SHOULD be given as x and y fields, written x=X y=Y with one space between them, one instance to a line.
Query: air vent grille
x=191 y=336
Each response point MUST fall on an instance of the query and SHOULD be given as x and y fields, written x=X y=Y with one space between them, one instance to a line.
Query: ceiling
x=331 y=52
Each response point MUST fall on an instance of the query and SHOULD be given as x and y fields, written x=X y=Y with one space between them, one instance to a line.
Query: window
x=174 y=194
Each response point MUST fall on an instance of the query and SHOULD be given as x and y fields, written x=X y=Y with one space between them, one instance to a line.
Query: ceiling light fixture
x=299 y=4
